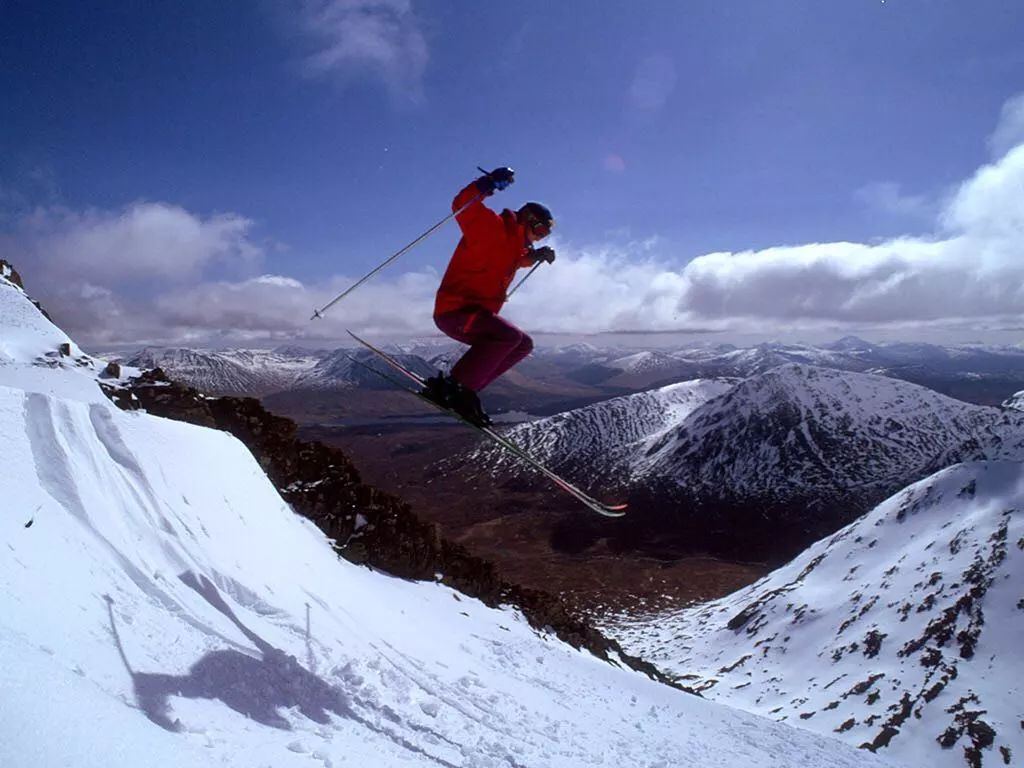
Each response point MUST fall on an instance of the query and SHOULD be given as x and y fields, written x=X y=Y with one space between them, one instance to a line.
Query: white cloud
x=1009 y=131
x=354 y=38
x=971 y=270
x=87 y=268
x=143 y=241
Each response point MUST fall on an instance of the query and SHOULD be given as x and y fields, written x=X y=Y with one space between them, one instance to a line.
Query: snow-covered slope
x=1014 y=402
x=902 y=630
x=792 y=431
x=608 y=437
x=797 y=429
x=345 y=368
x=160 y=605
x=33 y=349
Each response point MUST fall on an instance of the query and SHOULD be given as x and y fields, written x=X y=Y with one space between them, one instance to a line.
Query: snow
x=915 y=608
x=160 y=605
x=236 y=371
x=608 y=436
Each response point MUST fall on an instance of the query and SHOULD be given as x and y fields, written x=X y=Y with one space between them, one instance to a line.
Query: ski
x=608 y=510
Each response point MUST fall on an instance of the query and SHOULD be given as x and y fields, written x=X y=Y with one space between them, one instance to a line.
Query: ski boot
x=467 y=405
x=440 y=389
x=453 y=396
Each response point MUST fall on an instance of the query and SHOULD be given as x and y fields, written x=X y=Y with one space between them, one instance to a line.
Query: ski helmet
x=537 y=217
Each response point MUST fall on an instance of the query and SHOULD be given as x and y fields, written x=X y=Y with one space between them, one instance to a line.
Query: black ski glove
x=544 y=253
x=495 y=180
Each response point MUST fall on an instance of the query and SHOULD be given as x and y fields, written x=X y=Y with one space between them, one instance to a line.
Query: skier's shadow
x=254 y=687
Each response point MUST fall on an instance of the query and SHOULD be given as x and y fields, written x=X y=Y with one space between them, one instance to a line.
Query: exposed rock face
x=368 y=526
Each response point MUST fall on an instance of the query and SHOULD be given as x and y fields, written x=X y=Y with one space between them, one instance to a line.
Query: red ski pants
x=495 y=345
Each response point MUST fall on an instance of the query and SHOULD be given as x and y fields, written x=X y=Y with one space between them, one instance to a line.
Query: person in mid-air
x=473 y=290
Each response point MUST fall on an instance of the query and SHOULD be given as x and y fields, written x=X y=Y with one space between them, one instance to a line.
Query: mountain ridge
x=897 y=633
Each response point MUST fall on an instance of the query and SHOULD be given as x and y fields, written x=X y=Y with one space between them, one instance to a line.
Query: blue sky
x=219 y=157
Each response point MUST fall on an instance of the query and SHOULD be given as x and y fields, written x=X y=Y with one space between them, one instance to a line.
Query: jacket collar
x=515 y=231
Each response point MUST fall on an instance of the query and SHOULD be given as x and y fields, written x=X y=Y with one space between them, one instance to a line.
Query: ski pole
x=509 y=294
x=318 y=313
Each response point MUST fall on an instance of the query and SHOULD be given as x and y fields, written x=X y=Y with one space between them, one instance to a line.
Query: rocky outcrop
x=8 y=272
x=366 y=525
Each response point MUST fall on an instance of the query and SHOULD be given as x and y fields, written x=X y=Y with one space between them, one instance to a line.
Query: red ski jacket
x=492 y=248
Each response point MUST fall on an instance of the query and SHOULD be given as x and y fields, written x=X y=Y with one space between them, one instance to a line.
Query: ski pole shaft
x=319 y=312
x=509 y=294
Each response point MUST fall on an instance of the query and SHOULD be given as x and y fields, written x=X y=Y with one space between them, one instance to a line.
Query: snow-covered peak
x=1015 y=401
x=235 y=371
x=37 y=356
x=851 y=344
x=802 y=427
x=28 y=336
x=901 y=631
x=642 y=362
x=607 y=437
x=347 y=367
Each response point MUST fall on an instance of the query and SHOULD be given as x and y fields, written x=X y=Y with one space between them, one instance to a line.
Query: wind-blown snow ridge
x=901 y=632
x=160 y=605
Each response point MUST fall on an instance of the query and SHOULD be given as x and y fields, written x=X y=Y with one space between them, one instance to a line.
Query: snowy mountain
x=160 y=605
x=258 y=372
x=799 y=429
x=604 y=440
x=644 y=362
x=976 y=373
x=345 y=368
x=780 y=458
x=1015 y=401
x=902 y=631
x=253 y=372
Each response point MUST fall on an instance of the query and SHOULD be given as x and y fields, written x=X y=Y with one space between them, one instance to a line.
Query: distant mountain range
x=586 y=372
x=256 y=373
x=900 y=632
x=973 y=372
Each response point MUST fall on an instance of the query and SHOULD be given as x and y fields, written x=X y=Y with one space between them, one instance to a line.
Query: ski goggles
x=541 y=227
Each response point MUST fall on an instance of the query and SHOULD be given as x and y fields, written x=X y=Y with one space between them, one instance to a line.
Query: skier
x=473 y=290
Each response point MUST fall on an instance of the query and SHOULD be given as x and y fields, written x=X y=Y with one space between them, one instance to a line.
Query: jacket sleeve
x=477 y=218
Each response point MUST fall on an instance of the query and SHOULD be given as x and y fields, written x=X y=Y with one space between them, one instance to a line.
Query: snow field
x=165 y=600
